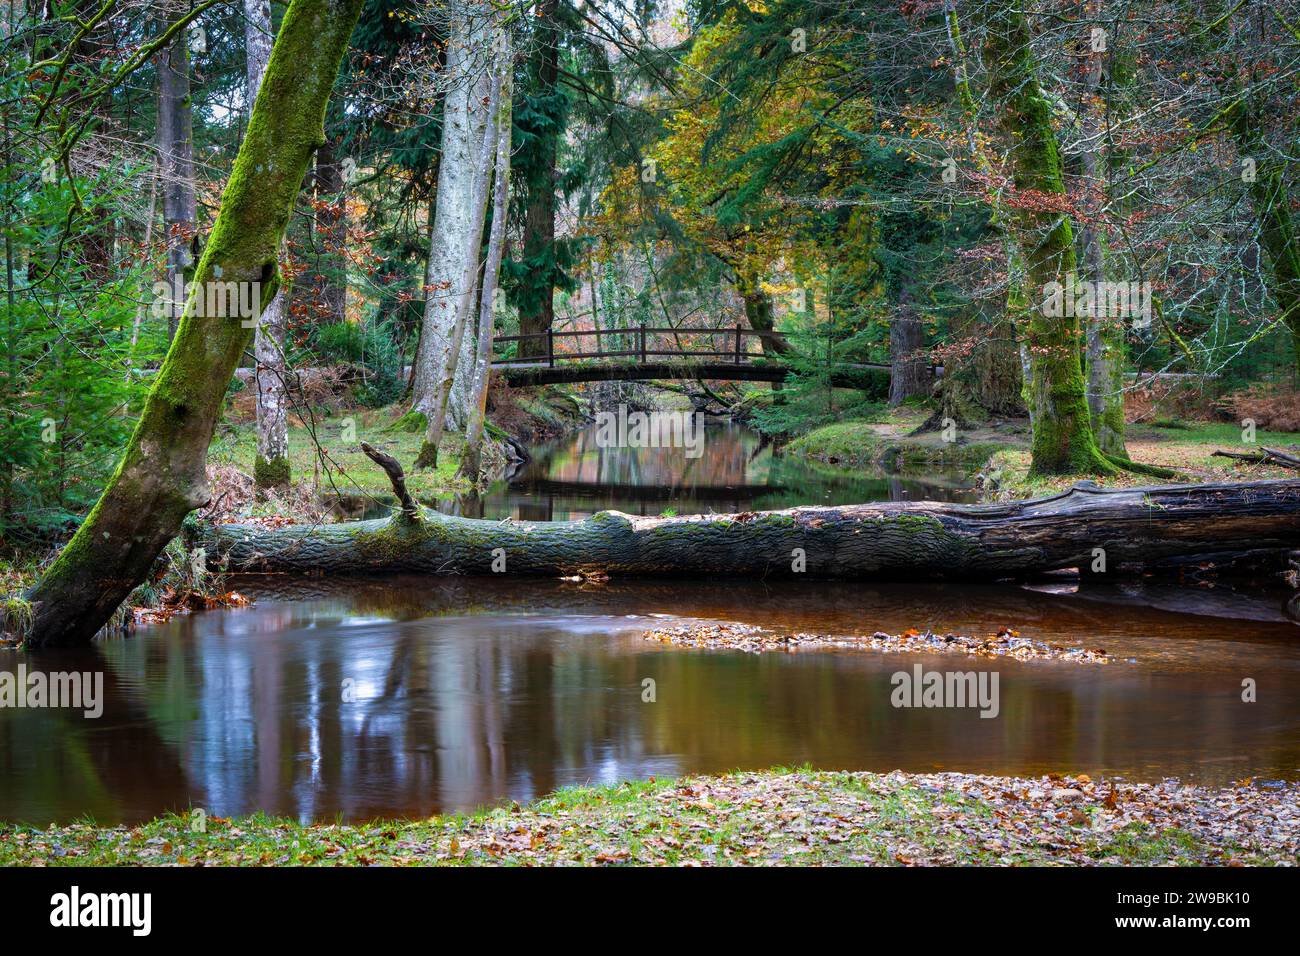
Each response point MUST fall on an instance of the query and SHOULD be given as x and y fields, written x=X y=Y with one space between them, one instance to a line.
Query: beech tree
x=1063 y=441
x=271 y=468
x=452 y=275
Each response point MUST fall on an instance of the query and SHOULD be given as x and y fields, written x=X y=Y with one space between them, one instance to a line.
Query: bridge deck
x=649 y=357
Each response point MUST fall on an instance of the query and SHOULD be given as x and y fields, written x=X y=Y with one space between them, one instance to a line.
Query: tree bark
x=1105 y=345
x=908 y=373
x=452 y=274
x=329 y=280
x=471 y=456
x=761 y=314
x=1063 y=441
x=1134 y=527
x=176 y=152
x=161 y=477
x=271 y=466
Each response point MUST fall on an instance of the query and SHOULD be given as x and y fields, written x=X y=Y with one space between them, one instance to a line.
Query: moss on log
x=1133 y=527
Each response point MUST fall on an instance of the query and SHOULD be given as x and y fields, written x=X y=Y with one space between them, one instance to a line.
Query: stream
x=406 y=696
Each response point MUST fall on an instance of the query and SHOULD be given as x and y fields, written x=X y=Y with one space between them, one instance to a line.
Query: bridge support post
x=642 y=330
x=550 y=347
x=737 y=344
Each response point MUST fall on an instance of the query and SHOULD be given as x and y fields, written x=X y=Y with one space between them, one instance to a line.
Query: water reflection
x=738 y=471
x=415 y=695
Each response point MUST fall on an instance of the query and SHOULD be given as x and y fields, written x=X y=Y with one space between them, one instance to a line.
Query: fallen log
x=1133 y=528
x=1266 y=456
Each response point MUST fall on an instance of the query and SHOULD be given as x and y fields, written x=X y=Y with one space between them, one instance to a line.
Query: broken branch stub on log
x=1135 y=527
x=396 y=476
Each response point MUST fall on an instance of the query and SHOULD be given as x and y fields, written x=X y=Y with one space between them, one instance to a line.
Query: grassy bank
x=999 y=451
x=778 y=817
x=325 y=453
x=1189 y=449
x=888 y=439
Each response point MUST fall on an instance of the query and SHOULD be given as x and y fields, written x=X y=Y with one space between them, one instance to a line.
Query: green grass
x=352 y=471
x=780 y=816
x=863 y=443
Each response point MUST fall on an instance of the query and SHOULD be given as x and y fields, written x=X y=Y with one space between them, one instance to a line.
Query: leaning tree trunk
x=471 y=456
x=1133 y=528
x=452 y=274
x=1063 y=442
x=271 y=466
x=176 y=150
x=161 y=477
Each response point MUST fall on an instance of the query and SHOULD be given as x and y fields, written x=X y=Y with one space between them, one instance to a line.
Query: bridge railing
x=643 y=348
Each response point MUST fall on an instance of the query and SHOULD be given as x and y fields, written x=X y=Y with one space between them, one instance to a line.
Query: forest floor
x=1189 y=450
x=325 y=459
x=997 y=452
x=777 y=817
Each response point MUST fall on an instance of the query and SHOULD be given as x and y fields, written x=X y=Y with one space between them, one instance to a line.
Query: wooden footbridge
x=644 y=353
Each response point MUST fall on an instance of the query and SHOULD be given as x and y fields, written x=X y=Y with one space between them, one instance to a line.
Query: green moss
x=412 y=423
x=271 y=474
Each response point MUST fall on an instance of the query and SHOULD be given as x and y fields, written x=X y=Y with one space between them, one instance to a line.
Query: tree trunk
x=161 y=477
x=1063 y=442
x=471 y=456
x=1105 y=344
x=452 y=274
x=176 y=151
x=908 y=373
x=271 y=466
x=1134 y=527
x=329 y=281
x=760 y=313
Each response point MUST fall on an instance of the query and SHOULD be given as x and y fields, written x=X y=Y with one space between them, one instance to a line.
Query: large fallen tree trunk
x=1132 y=527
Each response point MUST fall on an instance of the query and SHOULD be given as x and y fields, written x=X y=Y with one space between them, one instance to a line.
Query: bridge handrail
x=737 y=353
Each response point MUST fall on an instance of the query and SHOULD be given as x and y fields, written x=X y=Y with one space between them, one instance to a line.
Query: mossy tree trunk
x=761 y=313
x=161 y=477
x=271 y=466
x=909 y=375
x=1063 y=441
x=538 y=315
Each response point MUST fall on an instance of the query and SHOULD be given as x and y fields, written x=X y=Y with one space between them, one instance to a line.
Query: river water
x=406 y=696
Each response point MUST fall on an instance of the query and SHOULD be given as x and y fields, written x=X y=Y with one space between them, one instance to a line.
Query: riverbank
x=997 y=453
x=777 y=817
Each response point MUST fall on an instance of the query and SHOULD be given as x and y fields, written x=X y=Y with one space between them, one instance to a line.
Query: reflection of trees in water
x=244 y=710
x=736 y=472
x=57 y=764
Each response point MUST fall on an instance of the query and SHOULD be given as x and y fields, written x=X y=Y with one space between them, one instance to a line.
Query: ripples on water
x=468 y=692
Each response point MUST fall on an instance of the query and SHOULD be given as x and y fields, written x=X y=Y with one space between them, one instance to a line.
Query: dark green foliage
x=369 y=347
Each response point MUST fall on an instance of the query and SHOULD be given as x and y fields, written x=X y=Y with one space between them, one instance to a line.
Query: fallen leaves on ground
x=767 y=818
